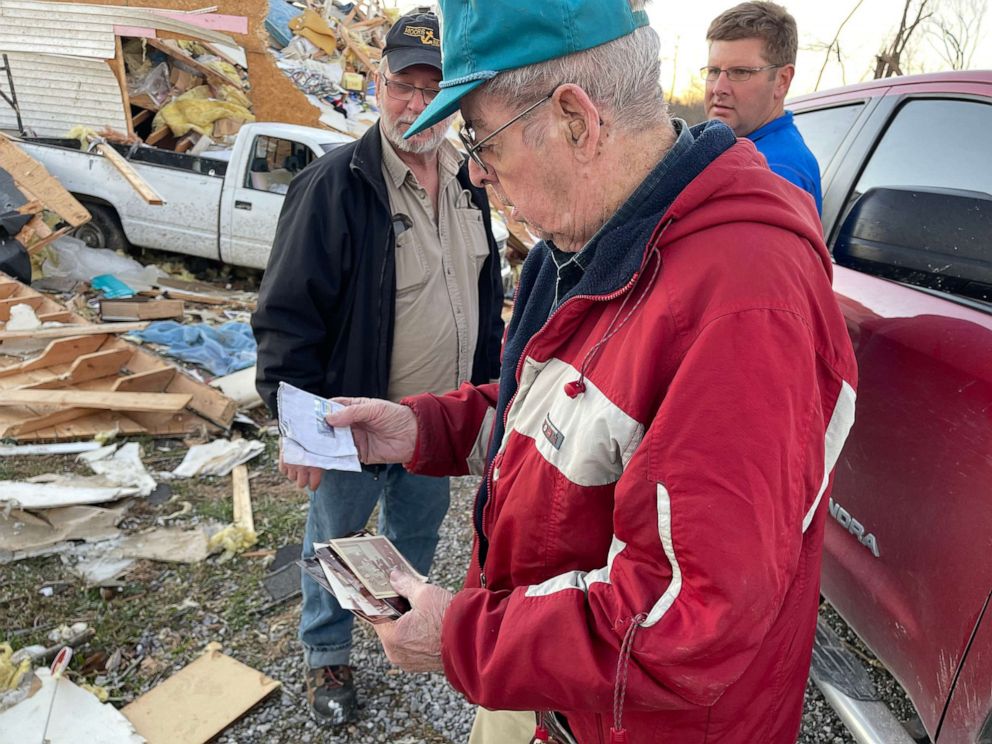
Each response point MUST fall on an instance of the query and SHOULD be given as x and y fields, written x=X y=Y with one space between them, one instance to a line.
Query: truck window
x=824 y=129
x=936 y=143
x=274 y=162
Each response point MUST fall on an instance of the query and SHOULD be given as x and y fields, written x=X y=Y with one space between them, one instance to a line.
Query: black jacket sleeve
x=301 y=287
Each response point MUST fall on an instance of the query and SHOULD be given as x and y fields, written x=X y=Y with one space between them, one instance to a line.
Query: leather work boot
x=331 y=694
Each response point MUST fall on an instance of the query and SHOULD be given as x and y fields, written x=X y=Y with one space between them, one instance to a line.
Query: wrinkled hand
x=384 y=432
x=413 y=643
x=304 y=476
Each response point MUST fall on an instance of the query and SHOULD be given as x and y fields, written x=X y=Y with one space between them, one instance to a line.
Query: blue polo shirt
x=786 y=152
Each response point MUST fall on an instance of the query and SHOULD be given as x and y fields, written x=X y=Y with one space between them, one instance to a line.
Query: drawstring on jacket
x=618 y=735
x=575 y=387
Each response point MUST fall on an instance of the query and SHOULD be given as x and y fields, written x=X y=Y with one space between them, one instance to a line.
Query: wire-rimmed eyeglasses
x=467 y=135
x=734 y=74
x=405 y=91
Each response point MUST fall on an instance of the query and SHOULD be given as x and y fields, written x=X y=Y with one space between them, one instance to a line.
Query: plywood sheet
x=212 y=692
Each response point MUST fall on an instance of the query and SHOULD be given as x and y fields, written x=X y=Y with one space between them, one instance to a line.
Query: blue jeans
x=411 y=509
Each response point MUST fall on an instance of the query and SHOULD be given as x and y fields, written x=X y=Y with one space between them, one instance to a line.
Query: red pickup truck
x=907 y=212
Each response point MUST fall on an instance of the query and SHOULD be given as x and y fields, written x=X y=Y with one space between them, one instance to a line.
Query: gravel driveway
x=407 y=709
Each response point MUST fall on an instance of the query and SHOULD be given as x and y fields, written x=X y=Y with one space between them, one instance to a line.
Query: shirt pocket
x=474 y=233
x=411 y=265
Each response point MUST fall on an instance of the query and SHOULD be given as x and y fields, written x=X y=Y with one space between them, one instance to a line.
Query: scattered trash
x=24 y=534
x=11 y=673
x=71 y=258
x=212 y=692
x=63 y=448
x=240 y=387
x=71 y=716
x=217 y=458
x=123 y=467
x=61 y=491
x=233 y=539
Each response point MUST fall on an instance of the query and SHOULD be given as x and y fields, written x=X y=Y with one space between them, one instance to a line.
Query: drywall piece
x=76 y=715
x=170 y=544
x=212 y=693
x=217 y=458
x=124 y=467
x=240 y=387
x=53 y=495
x=25 y=534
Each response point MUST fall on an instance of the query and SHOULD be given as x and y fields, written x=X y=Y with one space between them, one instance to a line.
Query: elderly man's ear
x=578 y=121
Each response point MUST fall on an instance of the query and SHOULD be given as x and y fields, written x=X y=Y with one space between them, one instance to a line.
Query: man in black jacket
x=384 y=281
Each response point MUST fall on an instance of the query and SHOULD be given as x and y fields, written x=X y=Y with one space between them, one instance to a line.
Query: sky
x=684 y=48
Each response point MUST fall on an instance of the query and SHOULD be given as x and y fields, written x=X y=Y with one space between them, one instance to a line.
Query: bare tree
x=890 y=61
x=833 y=48
x=954 y=31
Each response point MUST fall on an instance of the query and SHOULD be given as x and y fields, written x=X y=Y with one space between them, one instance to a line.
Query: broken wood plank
x=145 y=191
x=8 y=288
x=117 y=66
x=155 y=381
x=45 y=421
x=162 y=402
x=42 y=242
x=242 y=498
x=172 y=49
x=67 y=331
x=97 y=365
x=153 y=310
x=158 y=135
x=212 y=692
x=60 y=351
x=59 y=316
x=31 y=174
x=141 y=117
x=33 y=301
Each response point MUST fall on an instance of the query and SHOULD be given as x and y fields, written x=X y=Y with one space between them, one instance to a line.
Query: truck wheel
x=103 y=231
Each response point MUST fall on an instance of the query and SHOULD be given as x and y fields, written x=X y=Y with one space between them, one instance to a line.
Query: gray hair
x=622 y=75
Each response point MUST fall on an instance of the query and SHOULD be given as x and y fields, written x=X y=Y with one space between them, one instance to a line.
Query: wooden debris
x=145 y=191
x=67 y=331
x=90 y=358
x=37 y=184
x=152 y=310
x=212 y=692
x=158 y=402
x=242 y=498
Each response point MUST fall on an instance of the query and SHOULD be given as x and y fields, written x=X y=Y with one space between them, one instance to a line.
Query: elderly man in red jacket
x=677 y=384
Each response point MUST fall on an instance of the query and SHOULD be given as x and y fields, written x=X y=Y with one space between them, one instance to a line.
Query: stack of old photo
x=356 y=571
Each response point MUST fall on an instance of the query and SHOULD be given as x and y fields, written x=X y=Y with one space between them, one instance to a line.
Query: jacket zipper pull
x=482 y=579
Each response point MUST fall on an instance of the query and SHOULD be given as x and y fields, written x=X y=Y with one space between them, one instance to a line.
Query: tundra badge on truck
x=852 y=525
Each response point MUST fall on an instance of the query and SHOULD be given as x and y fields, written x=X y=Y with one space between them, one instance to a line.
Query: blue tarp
x=219 y=349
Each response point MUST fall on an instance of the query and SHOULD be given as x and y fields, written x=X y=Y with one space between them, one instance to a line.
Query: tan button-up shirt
x=438 y=262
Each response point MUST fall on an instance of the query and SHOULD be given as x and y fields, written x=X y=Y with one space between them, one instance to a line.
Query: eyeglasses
x=405 y=91
x=467 y=135
x=734 y=74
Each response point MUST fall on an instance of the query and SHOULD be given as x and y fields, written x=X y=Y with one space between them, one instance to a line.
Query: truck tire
x=103 y=231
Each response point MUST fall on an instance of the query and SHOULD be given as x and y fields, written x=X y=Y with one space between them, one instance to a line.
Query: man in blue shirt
x=752 y=61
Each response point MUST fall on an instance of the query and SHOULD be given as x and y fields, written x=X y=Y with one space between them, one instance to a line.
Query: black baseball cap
x=415 y=39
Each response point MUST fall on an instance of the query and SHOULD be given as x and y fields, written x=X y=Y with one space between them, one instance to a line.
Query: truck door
x=252 y=210
x=906 y=544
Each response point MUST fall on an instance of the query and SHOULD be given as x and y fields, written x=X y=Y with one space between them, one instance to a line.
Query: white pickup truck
x=221 y=206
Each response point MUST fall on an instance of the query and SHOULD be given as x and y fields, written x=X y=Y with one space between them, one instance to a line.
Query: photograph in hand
x=372 y=558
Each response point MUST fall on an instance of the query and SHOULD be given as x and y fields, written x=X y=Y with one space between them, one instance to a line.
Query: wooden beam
x=68 y=331
x=158 y=135
x=145 y=191
x=97 y=365
x=39 y=244
x=29 y=174
x=242 y=498
x=153 y=310
x=173 y=50
x=61 y=351
x=142 y=116
x=160 y=402
x=117 y=65
x=33 y=301
x=155 y=381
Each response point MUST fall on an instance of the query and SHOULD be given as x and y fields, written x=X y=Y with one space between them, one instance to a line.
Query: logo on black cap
x=425 y=34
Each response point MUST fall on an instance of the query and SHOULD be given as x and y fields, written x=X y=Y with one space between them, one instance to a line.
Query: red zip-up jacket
x=661 y=480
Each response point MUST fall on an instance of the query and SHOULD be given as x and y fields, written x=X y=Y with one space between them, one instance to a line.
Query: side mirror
x=935 y=238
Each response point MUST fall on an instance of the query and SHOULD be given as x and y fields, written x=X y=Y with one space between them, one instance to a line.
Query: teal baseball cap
x=480 y=39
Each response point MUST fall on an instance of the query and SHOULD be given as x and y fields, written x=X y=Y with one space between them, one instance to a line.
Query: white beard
x=423 y=143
